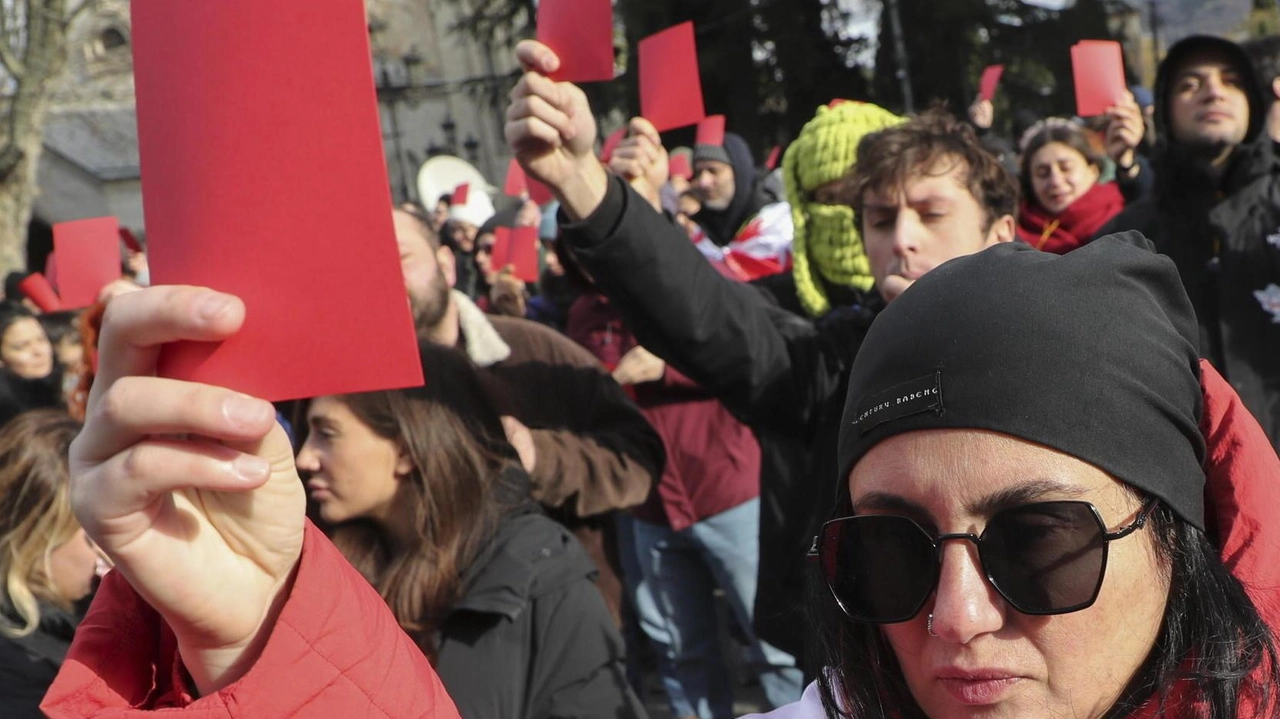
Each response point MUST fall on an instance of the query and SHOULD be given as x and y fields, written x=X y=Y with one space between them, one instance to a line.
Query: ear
x=404 y=464
x=1002 y=230
x=448 y=263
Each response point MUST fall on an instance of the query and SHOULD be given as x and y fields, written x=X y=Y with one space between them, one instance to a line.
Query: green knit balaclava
x=826 y=236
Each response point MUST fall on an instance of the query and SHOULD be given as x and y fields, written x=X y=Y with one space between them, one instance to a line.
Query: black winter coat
x=531 y=637
x=1225 y=241
x=28 y=664
x=781 y=373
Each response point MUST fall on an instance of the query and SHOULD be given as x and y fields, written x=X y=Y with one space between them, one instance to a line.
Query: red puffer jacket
x=338 y=652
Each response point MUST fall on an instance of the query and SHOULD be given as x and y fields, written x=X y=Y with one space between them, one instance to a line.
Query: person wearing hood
x=743 y=230
x=1216 y=212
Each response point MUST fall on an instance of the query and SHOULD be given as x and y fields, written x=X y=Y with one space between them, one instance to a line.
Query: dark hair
x=446 y=198
x=421 y=224
x=889 y=157
x=1064 y=133
x=462 y=462
x=60 y=324
x=12 y=292
x=1264 y=53
x=10 y=313
x=1212 y=641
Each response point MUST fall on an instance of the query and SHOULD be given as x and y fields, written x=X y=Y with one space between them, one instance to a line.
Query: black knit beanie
x=1092 y=353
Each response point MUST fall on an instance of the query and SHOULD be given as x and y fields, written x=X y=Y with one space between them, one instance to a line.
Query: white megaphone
x=441 y=176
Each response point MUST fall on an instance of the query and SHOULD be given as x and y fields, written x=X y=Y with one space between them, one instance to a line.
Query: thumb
x=640 y=127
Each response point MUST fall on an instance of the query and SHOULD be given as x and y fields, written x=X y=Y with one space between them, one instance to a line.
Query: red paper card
x=538 y=192
x=523 y=252
x=238 y=199
x=88 y=258
x=990 y=79
x=775 y=154
x=517 y=184
x=680 y=167
x=611 y=143
x=1098 y=69
x=711 y=131
x=51 y=268
x=500 y=255
x=130 y=240
x=36 y=288
x=461 y=194
x=581 y=34
x=670 y=84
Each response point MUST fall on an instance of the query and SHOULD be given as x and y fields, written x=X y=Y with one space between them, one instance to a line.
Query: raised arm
x=767 y=365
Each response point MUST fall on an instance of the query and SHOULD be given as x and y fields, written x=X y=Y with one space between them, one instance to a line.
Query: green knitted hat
x=824 y=152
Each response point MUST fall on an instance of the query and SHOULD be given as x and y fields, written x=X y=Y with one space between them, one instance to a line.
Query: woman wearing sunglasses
x=1023 y=530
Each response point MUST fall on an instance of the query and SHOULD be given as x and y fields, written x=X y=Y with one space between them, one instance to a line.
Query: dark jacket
x=779 y=372
x=18 y=395
x=28 y=664
x=748 y=197
x=1224 y=238
x=531 y=637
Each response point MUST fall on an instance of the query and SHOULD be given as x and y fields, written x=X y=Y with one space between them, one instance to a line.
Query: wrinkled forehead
x=1205 y=61
x=715 y=166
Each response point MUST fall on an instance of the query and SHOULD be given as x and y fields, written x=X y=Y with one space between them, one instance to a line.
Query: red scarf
x=1074 y=226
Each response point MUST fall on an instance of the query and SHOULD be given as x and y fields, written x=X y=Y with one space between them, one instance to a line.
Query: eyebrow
x=982 y=507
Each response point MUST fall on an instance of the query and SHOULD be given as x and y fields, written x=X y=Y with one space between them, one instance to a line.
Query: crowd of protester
x=942 y=422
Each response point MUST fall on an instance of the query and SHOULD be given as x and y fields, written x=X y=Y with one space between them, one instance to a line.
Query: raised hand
x=1125 y=129
x=190 y=489
x=641 y=160
x=553 y=133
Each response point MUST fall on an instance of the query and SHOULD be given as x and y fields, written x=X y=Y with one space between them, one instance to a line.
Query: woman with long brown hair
x=425 y=496
x=47 y=564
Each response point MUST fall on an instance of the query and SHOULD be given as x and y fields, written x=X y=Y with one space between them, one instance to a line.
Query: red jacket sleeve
x=336 y=651
x=1242 y=493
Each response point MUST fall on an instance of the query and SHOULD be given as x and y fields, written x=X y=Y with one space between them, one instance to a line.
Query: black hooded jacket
x=1224 y=238
x=748 y=197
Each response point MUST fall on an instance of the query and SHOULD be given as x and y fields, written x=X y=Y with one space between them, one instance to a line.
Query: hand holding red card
x=87 y=255
x=581 y=34
x=1098 y=69
x=670 y=84
x=990 y=79
x=304 y=238
x=679 y=167
x=36 y=288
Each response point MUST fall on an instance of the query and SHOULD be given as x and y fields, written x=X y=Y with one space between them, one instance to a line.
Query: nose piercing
x=929 y=626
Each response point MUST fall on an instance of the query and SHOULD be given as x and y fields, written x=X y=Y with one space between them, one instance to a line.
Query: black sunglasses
x=1043 y=558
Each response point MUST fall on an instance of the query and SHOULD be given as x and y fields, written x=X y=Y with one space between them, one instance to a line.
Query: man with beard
x=924 y=192
x=587 y=448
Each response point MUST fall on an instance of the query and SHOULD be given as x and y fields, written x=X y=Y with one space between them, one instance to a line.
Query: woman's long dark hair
x=461 y=487
x=1212 y=643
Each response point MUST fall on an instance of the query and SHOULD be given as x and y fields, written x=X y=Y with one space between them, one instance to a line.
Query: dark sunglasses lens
x=880 y=568
x=1046 y=558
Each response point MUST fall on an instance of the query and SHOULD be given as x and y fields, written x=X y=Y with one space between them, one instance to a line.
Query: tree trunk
x=22 y=130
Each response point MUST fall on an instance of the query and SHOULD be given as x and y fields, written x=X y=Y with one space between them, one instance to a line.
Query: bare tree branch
x=9 y=59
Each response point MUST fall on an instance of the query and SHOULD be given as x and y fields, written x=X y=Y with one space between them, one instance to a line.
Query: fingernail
x=250 y=468
x=246 y=411
x=213 y=306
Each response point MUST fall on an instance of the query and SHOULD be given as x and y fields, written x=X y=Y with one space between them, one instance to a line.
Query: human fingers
x=537 y=107
x=531 y=135
x=536 y=57
x=108 y=498
x=137 y=324
x=133 y=408
x=642 y=128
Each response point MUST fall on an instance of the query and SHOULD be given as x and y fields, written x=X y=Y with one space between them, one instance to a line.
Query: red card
x=500 y=255
x=305 y=238
x=461 y=194
x=775 y=154
x=517 y=184
x=670 y=85
x=581 y=34
x=523 y=253
x=130 y=240
x=1098 y=69
x=611 y=143
x=711 y=131
x=539 y=192
x=680 y=167
x=37 y=289
x=88 y=258
x=990 y=79
x=51 y=268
